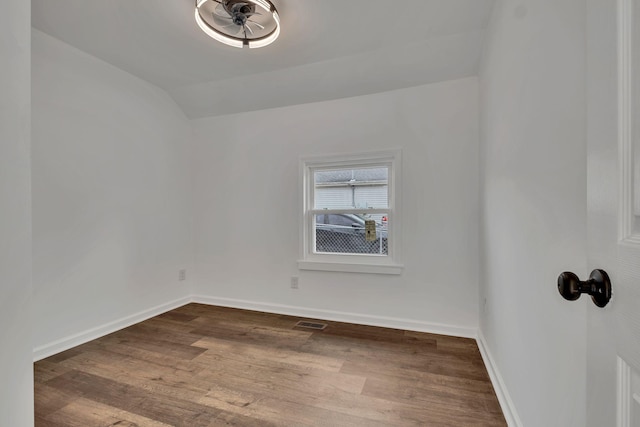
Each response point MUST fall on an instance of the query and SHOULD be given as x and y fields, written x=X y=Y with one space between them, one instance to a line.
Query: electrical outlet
x=182 y=275
x=294 y=282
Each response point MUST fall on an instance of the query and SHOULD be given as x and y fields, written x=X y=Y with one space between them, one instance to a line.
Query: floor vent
x=311 y=325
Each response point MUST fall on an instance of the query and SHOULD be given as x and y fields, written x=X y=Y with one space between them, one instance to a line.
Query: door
x=613 y=189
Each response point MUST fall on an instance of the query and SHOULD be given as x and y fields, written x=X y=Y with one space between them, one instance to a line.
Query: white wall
x=247 y=203
x=533 y=168
x=111 y=193
x=16 y=371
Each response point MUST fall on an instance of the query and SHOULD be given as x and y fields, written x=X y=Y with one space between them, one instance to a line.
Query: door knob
x=598 y=286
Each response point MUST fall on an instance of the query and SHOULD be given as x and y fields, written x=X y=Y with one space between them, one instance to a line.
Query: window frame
x=355 y=263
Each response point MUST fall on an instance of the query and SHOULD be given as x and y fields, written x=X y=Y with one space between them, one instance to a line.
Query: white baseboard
x=508 y=408
x=340 y=316
x=71 y=341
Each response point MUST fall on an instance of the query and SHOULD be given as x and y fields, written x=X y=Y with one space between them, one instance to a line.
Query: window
x=350 y=215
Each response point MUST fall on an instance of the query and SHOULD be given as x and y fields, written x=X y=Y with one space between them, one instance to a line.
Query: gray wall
x=16 y=372
x=533 y=216
x=111 y=194
x=247 y=231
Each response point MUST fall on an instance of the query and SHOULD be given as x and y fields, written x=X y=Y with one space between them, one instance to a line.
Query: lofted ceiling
x=328 y=49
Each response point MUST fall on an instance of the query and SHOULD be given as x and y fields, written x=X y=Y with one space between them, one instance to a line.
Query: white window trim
x=353 y=263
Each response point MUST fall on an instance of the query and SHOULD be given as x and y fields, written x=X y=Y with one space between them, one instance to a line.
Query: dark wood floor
x=200 y=365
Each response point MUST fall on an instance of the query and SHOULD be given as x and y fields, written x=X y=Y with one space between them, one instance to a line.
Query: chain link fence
x=348 y=240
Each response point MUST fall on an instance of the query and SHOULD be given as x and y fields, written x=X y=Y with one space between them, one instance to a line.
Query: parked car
x=345 y=233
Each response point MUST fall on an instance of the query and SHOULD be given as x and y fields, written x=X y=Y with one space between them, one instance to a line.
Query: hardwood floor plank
x=85 y=413
x=461 y=385
x=259 y=334
x=148 y=356
x=255 y=354
x=417 y=392
x=286 y=410
x=177 y=316
x=155 y=332
x=411 y=358
x=174 y=411
x=201 y=365
x=206 y=316
x=116 y=366
x=51 y=399
x=154 y=344
x=40 y=421
x=45 y=369
x=300 y=380
x=371 y=333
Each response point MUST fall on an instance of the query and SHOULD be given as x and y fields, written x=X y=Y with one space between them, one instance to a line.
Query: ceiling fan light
x=267 y=26
x=214 y=34
x=266 y=6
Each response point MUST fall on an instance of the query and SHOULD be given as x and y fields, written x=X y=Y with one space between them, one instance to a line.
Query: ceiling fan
x=239 y=23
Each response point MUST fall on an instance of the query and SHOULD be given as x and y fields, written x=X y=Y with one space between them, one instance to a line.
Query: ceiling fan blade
x=248 y=28
x=222 y=21
x=256 y=24
x=221 y=12
x=229 y=25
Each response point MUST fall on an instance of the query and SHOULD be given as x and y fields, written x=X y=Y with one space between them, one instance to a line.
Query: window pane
x=362 y=188
x=346 y=234
x=344 y=221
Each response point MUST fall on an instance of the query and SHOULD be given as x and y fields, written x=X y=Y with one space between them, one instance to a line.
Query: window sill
x=395 y=269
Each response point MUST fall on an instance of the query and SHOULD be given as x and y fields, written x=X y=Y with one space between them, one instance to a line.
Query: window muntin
x=351 y=188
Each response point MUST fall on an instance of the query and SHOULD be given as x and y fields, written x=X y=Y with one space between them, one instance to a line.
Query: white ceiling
x=328 y=49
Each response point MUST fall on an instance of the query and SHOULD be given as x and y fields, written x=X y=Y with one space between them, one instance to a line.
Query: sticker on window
x=370 y=230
